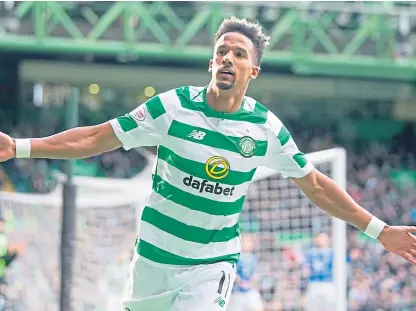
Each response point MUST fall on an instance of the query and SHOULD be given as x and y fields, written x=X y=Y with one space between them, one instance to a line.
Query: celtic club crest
x=247 y=146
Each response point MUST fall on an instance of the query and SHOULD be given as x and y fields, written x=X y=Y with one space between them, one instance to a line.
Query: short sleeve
x=146 y=125
x=282 y=153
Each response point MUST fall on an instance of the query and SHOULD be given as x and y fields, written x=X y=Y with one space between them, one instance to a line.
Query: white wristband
x=23 y=148
x=375 y=227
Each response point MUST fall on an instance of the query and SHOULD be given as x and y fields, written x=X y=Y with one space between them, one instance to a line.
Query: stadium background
x=336 y=73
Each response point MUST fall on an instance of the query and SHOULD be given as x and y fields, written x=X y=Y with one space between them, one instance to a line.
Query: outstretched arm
x=76 y=143
x=327 y=195
x=284 y=156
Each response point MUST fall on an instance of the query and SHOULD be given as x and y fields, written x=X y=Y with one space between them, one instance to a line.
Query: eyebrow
x=241 y=49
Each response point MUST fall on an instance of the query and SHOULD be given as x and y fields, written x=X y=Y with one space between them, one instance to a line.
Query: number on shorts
x=221 y=284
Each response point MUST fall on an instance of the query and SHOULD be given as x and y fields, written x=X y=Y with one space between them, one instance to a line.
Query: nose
x=227 y=59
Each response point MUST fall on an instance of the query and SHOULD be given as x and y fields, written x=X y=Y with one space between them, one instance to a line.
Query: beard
x=226 y=85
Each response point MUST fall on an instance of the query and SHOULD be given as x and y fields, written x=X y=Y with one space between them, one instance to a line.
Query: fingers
x=411 y=237
x=412 y=252
x=410 y=229
x=409 y=258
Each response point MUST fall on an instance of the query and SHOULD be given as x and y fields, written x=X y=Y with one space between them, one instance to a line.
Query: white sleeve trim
x=309 y=167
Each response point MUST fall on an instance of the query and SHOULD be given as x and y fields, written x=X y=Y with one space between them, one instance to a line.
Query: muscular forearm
x=77 y=143
x=335 y=201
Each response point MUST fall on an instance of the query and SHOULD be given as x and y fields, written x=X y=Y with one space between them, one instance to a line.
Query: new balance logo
x=220 y=302
x=199 y=135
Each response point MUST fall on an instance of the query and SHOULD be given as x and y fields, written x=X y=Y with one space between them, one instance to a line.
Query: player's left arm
x=327 y=195
x=284 y=156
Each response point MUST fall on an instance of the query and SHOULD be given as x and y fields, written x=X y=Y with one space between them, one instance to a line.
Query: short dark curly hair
x=249 y=29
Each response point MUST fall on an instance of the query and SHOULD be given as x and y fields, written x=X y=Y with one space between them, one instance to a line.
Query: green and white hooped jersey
x=205 y=162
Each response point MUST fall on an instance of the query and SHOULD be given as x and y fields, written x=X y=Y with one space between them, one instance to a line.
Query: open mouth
x=226 y=72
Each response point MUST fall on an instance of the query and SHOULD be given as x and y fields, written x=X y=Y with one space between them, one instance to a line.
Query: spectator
x=245 y=296
x=321 y=294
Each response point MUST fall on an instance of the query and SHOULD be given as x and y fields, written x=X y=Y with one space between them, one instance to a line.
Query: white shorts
x=154 y=287
x=321 y=296
x=246 y=301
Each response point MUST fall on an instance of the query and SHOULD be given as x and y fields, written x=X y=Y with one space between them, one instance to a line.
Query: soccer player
x=321 y=294
x=210 y=141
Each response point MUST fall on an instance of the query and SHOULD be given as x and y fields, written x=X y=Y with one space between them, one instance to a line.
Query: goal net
x=107 y=213
x=282 y=221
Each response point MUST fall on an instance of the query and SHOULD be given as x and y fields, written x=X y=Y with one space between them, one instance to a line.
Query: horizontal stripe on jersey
x=155 y=108
x=202 y=153
x=189 y=216
x=212 y=138
x=300 y=159
x=216 y=191
x=184 y=248
x=283 y=136
x=197 y=169
x=194 y=202
x=127 y=123
x=159 y=255
x=187 y=232
x=258 y=116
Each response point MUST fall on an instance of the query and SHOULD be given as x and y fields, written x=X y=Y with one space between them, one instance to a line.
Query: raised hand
x=400 y=241
x=7 y=149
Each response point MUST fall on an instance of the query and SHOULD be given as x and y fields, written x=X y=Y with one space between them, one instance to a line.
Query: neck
x=225 y=101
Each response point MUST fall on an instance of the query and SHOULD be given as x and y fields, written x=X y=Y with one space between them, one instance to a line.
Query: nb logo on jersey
x=220 y=302
x=199 y=135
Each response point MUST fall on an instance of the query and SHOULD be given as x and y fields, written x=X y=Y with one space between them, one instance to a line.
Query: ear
x=210 y=66
x=255 y=71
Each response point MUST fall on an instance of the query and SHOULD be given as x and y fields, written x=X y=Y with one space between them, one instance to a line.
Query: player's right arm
x=146 y=125
x=76 y=143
